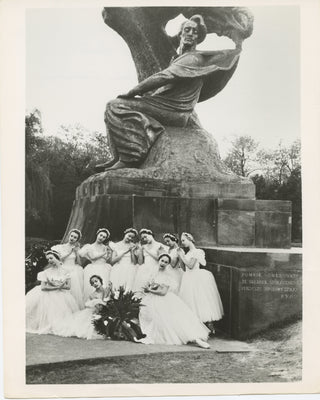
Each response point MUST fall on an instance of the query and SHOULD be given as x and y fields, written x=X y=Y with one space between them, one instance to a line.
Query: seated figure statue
x=135 y=120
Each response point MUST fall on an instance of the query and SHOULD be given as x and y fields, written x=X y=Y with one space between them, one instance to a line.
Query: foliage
x=116 y=319
x=35 y=261
x=242 y=156
x=55 y=166
x=38 y=207
x=275 y=172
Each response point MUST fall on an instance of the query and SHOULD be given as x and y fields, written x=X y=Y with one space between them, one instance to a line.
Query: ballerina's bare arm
x=66 y=284
x=76 y=251
x=91 y=257
x=188 y=263
x=117 y=257
x=47 y=286
x=162 y=290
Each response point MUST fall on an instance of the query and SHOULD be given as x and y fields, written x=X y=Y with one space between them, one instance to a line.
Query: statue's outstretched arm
x=152 y=82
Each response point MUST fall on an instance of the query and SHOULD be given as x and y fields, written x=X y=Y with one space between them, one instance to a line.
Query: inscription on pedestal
x=281 y=284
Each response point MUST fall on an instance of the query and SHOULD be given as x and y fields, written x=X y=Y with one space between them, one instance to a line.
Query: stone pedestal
x=259 y=288
x=173 y=208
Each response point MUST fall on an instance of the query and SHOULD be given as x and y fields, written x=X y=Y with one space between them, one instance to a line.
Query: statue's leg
x=131 y=132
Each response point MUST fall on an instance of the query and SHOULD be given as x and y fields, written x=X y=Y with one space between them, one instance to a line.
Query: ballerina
x=176 y=266
x=69 y=253
x=100 y=254
x=164 y=317
x=124 y=261
x=80 y=323
x=51 y=302
x=198 y=287
x=148 y=254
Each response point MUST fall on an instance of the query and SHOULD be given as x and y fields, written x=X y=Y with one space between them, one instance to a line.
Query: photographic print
x=153 y=250
x=163 y=227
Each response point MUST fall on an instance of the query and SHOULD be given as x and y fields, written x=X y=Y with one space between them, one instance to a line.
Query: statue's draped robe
x=133 y=125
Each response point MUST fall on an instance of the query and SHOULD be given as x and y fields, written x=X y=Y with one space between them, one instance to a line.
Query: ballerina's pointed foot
x=202 y=344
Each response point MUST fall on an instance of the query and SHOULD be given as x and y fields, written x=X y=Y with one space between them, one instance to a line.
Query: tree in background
x=38 y=203
x=242 y=157
x=55 y=166
x=278 y=173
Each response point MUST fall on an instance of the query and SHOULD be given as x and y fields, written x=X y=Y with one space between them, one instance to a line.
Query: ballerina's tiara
x=53 y=252
x=188 y=236
x=131 y=230
x=105 y=230
x=171 y=237
x=164 y=255
x=147 y=231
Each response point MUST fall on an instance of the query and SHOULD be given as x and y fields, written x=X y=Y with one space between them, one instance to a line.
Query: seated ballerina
x=69 y=253
x=51 y=302
x=80 y=323
x=164 y=317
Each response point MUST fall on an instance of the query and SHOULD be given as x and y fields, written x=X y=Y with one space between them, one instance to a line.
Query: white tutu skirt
x=176 y=274
x=199 y=291
x=145 y=274
x=76 y=275
x=79 y=325
x=123 y=274
x=46 y=309
x=168 y=320
x=101 y=269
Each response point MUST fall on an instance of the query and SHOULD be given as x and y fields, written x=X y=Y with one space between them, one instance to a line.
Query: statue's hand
x=131 y=94
x=124 y=96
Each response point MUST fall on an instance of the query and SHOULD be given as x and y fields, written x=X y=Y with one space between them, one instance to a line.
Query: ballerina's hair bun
x=77 y=231
x=105 y=230
x=188 y=236
x=146 y=231
x=171 y=236
x=131 y=230
x=54 y=253
x=164 y=255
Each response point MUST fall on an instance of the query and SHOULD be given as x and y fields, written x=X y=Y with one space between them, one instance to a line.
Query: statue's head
x=192 y=31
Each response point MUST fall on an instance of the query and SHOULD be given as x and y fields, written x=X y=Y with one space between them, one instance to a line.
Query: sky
x=75 y=64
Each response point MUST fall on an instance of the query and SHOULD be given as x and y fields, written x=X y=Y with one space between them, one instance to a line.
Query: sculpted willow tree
x=153 y=127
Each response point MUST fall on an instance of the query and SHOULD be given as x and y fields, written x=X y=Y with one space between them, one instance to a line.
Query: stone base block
x=258 y=289
x=224 y=222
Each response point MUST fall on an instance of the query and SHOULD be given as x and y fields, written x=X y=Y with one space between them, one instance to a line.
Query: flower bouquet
x=117 y=319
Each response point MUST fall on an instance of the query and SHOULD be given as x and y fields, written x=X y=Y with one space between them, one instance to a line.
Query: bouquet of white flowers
x=117 y=319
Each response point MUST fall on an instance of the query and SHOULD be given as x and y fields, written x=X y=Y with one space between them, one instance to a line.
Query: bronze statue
x=136 y=119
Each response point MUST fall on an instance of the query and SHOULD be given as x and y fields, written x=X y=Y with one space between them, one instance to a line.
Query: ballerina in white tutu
x=124 y=261
x=51 y=302
x=69 y=254
x=164 y=317
x=149 y=252
x=198 y=287
x=80 y=323
x=176 y=266
x=100 y=255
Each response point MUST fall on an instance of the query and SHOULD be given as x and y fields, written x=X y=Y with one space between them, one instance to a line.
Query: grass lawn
x=278 y=360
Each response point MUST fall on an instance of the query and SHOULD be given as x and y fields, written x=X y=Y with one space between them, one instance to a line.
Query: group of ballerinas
x=180 y=300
